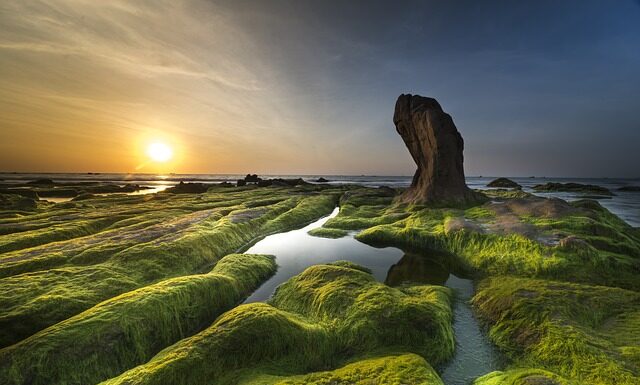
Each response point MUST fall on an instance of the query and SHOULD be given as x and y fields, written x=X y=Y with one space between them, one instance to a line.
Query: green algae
x=391 y=370
x=128 y=329
x=154 y=238
x=585 y=333
x=525 y=239
x=324 y=232
x=522 y=376
x=321 y=319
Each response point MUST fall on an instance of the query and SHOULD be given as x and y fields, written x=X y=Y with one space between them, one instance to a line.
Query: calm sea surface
x=624 y=204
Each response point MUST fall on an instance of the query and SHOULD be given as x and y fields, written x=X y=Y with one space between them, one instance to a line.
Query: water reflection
x=413 y=268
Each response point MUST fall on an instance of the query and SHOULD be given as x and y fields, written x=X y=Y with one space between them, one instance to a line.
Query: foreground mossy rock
x=436 y=146
x=589 y=334
x=320 y=319
x=129 y=329
x=393 y=369
x=522 y=377
x=59 y=261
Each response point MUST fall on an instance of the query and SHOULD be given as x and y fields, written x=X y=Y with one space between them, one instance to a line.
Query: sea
x=625 y=204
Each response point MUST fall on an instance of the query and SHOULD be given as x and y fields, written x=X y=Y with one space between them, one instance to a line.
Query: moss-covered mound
x=324 y=232
x=60 y=261
x=129 y=329
x=318 y=320
x=392 y=369
x=523 y=376
x=590 y=334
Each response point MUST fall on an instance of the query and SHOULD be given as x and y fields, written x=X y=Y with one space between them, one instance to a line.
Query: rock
x=28 y=193
x=252 y=178
x=188 y=188
x=574 y=243
x=241 y=183
x=41 y=181
x=630 y=188
x=454 y=225
x=572 y=187
x=436 y=146
x=322 y=180
x=225 y=184
x=504 y=183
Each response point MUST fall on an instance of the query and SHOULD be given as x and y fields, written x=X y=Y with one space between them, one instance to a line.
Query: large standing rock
x=436 y=146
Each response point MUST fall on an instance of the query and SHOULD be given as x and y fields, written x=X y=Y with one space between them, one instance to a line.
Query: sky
x=544 y=88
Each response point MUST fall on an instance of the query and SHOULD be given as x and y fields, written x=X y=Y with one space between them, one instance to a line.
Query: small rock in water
x=504 y=183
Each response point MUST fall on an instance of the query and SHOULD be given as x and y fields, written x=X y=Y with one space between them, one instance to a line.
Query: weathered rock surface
x=436 y=146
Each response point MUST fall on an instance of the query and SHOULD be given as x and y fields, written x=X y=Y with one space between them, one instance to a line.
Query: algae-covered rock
x=393 y=369
x=325 y=232
x=522 y=377
x=129 y=329
x=504 y=183
x=577 y=331
x=322 y=318
x=572 y=187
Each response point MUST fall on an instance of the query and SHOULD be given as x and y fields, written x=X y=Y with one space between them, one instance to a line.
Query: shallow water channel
x=296 y=250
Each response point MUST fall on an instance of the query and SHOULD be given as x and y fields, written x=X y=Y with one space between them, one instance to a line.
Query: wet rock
x=17 y=202
x=572 y=187
x=42 y=181
x=322 y=180
x=504 y=183
x=574 y=243
x=24 y=192
x=436 y=146
x=241 y=183
x=225 y=184
x=188 y=188
x=252 y=178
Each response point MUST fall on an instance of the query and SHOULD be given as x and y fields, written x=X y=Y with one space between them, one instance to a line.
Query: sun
x=159 y=152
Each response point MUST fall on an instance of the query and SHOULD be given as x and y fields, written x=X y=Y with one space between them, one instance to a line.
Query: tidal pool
x=296 y=250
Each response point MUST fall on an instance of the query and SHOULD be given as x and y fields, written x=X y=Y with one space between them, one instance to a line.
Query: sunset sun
x=159 y=152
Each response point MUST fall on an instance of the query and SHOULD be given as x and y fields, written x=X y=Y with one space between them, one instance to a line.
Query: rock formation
x=436 y=146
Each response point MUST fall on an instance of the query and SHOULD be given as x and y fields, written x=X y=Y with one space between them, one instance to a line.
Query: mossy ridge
x=369 y=312
x=34 y=300
x=589 y=334
x=129 y=329
x=315 y=330
x=522 y=376
x=385 y=370
x=324 y=232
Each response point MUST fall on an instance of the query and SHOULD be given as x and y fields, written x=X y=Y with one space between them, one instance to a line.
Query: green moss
x=318 y=320
x=129 y=329
x=512 y=242
x=393 y=369
x=324 y=232
x=372 y=314
x=140 y=241
x=522 y=377
x=584 y=333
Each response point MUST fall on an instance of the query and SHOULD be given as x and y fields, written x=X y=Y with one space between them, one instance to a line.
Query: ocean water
x=624 y=204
